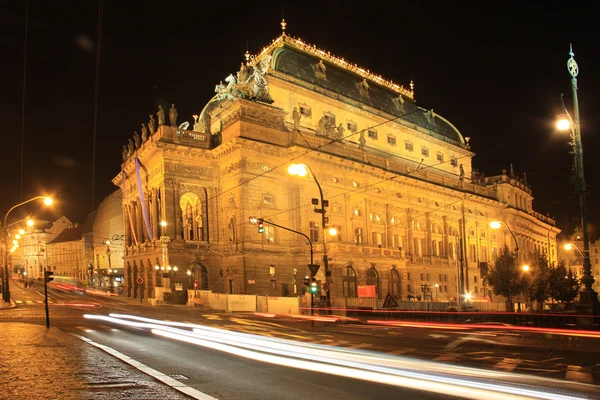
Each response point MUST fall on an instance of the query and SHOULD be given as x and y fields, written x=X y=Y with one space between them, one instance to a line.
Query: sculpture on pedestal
x=152 y=125
x=173 y=116
x=144 y=133
x=161 y=115
x=136 y=139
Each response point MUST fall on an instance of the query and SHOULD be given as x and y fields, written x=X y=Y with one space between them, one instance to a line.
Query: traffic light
x=313 y=286
x=306 y=280
x=261 y=225
x=48 y=276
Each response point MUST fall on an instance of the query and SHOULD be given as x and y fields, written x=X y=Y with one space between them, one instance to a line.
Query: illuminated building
x=398 y=179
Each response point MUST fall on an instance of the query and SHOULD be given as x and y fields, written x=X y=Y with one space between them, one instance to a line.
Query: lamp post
x=301 y=170
x=437 y=285
x=497 y=225
x=5 y=235
x=587 y=296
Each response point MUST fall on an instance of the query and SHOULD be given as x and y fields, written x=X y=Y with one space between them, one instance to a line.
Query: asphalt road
x=572 y=360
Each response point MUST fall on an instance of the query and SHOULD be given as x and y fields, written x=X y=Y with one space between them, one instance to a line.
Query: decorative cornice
x=327 y=56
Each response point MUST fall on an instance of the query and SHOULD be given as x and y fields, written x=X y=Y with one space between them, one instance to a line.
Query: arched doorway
x=199 y=277
x=394 y=284
x=373 y=279
x=349 y=282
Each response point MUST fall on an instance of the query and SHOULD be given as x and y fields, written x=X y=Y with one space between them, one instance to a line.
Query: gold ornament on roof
x=340 y=62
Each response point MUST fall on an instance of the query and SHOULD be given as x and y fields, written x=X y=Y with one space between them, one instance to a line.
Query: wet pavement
x=41 y=363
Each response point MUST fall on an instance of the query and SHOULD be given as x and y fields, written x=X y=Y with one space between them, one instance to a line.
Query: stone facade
x=33 y=245
x=108 y=233
x=409 y=211
x=574 y=258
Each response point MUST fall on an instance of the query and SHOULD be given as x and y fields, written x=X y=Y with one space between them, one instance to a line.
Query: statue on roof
x=144 y=133
x=196 y=122
x=340 y=131
x=161 y=115
x=130 y=147
x=206 y=121
x=173 y=115
x=362 y=141
x=136 y=139
x=125 y=153
x=152 y=125
x=242 y=74
x=323 y=125
x=260 y=89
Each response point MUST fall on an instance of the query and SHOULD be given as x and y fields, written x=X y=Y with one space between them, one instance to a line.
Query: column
x=445 y=248
x=139 y=231
x=428 y=249
x=409 y=229
x=155 y=217
x=126 y=228
x=177 y=213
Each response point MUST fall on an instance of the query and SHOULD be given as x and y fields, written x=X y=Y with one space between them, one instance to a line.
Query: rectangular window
x=377 y=239
x=273 y=284
x=445 y=278
x=408 y=145
x=483 y=254
x=272 y=270
x=352 y=126
x=422 y=276
x=358 y=235
x=427 y=277
x=268 y=199
x=335 y=208
x=440 y=157
x=314 y=232
x=305 y=110
x=269 y=234
x=472 y=253
x=453 y=161
x=476 y=290
x=424 y=151
x=392 y=140
x=408 y=276
x=475 y=279
x=372 y=134
x=440 y=277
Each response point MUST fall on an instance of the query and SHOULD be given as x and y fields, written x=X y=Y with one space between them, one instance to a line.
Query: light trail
x=352 y=363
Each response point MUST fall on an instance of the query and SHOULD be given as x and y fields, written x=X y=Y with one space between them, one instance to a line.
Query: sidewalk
x=41 y=363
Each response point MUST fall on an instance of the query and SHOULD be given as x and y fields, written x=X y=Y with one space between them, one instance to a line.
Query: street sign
x=179 y=287
x=140 y=281
x=326 y=287
x=314 y=268
x=389 y=302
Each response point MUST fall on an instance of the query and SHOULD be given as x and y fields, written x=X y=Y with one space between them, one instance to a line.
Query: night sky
x=495 y=71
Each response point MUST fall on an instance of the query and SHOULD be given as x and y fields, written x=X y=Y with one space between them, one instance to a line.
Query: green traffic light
x=313 y=289
x=261 y=230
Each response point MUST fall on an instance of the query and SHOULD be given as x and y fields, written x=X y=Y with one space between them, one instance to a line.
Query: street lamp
x=525 y=268
x=587 y=296
x=163 y=225
x=5 y=235
x=497 y=225
x=302 y=170
x=437 y=285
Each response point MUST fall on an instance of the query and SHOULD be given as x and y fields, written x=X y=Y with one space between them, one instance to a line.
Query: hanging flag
x=132 y=228
x=143 y=201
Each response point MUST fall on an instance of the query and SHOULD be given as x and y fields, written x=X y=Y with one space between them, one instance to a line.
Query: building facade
x=573 y=258
x=69 y=254
x=33 y=244
x=397 y=180
x=107 y=267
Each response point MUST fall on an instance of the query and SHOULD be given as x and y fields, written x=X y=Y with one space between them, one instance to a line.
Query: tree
x=539 y=284
x=505 y=277
x=564 y=285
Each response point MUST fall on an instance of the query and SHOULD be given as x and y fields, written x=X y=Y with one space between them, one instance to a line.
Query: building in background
x=33 y=244
x=573 y=258
x=106 y=270
x=69 y=254
x=409 y=210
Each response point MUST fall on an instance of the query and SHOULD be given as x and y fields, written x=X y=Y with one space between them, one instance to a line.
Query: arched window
x=452 y=231
x=436 y=228
x=394 y=288
x=396 y=221
x=373 y=279
x=375 y=218
x=349 y=283
x=193 y=225
x=417 y=225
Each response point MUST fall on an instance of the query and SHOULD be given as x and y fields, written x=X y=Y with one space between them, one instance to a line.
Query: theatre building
x=396 y=178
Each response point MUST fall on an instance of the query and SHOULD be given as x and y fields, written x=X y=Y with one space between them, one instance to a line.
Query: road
x=229 y=376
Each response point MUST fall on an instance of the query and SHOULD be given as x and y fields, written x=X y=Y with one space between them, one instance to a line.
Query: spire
x=247 y=55
x=512 y=171
x=571 y=50
x=283 y=25
x=525 y=177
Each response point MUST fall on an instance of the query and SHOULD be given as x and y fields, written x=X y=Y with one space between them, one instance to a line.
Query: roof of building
x=70 y=234
x=301 y=61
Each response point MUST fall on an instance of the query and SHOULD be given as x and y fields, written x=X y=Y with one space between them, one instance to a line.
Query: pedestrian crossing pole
x=47 y=277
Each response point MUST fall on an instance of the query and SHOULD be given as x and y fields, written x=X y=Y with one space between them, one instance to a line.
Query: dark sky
x=495 y=70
